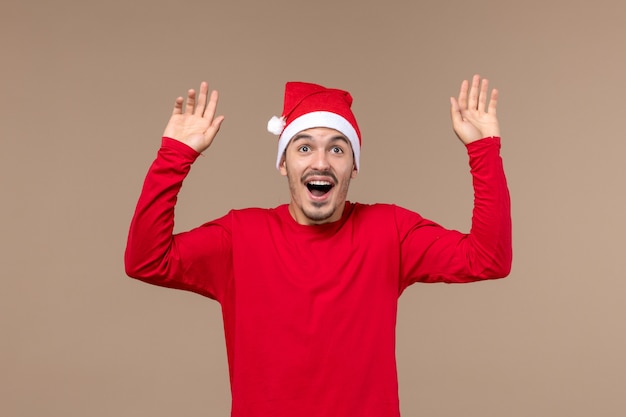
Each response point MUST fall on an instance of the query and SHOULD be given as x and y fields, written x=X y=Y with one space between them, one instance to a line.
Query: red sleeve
x=196 y=260
x=431 y=253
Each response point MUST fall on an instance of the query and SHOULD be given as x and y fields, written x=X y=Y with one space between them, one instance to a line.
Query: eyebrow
x=333 y=139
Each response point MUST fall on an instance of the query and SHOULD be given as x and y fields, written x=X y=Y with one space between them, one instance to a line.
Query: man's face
x=319 y=165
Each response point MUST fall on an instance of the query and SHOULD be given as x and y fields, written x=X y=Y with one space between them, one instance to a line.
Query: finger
x=204 y=88
x=482 y=97
x=462 y=101
x=191 y=101
x=493 y=102
x=455 y=113
x=473 y=94
x=209 y=113
x=211 y=132
x=178 y=106
x=216 y=124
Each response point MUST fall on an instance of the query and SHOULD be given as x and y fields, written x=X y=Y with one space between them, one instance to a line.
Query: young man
x=309 y=289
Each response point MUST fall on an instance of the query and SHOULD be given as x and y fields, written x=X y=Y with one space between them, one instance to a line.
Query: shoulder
x=381 y=212
x=252 y=215
x=380 y=209
x=388 y=215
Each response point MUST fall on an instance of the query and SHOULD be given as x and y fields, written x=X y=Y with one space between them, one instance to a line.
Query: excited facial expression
x=319 y=165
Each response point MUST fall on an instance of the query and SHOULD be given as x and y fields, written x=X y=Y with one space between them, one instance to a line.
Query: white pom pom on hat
x=276 y=125
x=311 y=105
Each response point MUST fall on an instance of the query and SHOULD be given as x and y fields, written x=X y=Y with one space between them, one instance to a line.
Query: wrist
x=180 y=147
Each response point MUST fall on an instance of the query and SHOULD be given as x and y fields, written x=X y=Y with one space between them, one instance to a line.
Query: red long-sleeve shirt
x=310 y=311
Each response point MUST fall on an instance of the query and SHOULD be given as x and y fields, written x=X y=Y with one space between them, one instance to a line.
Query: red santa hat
x=310 y=105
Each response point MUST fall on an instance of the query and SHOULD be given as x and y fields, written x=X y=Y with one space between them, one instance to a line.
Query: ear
x=282 y=167
x=354 y=172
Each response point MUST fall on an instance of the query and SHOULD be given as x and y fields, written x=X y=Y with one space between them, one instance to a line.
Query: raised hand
x=197 y=125
x=472 y=117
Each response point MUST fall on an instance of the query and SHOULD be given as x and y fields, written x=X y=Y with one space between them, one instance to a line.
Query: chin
x=319 y=215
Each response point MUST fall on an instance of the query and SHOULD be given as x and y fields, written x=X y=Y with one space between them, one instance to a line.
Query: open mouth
x=319 y=188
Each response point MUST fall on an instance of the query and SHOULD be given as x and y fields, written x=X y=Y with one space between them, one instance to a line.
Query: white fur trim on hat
x=319 y=119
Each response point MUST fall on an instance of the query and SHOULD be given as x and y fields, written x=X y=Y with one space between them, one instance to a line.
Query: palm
x=187 y=128
x=477 y=125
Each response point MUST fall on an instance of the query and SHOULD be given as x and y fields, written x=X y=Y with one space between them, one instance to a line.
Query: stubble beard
x=317 y=214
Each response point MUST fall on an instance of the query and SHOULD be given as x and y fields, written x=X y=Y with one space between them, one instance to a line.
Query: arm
x=486 y=251
x=488 y=245
x=153 y=253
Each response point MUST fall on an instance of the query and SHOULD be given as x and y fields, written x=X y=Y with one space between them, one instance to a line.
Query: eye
x=336 y=149
x=304 y=148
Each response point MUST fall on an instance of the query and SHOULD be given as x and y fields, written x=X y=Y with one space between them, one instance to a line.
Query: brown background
x=87 y=88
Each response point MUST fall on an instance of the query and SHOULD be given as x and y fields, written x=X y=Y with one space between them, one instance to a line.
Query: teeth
x=319 y=183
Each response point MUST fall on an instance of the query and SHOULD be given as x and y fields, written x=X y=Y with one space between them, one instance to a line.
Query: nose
x=320 y=160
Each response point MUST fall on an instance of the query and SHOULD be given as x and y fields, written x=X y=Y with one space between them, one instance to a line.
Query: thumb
x=214 y=127
x=455 y=112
